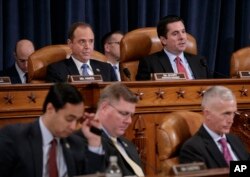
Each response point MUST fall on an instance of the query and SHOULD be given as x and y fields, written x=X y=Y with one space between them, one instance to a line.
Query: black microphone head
x=203 y=62
x=127 y=72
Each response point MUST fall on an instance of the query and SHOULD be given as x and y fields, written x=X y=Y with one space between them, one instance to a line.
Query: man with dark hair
x=172 y=59
x=18 y=72
x=81 y=41
x=49 y=144
x=111 y=48
x=213 y=144
x=116 y=107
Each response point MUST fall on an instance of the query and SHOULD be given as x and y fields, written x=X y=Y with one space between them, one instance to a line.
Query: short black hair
x=162 y=25
x=61 y=93
x=76 y=25
x=107 y=37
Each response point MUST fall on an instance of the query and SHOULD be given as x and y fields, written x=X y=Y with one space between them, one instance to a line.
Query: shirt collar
x=46 y=134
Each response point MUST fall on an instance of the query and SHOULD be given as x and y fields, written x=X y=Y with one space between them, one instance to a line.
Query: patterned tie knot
x=115 y=67
x=85 y=69
x=223 y=142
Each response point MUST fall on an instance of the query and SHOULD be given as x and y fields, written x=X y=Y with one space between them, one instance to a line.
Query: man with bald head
x=18 y=71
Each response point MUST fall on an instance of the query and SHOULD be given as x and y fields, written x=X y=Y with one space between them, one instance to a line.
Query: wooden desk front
x=23 y=103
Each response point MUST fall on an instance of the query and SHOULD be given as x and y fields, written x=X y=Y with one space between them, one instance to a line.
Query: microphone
x=209 y=72
x=127 y=73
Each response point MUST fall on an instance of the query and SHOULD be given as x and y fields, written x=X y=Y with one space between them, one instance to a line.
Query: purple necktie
x=225 y=150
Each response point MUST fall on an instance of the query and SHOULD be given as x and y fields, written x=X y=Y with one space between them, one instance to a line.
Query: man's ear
x=50 y=108
x=106 y=47
x=163 y=40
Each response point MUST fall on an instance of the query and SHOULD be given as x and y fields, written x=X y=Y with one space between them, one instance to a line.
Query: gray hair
x=217 y=92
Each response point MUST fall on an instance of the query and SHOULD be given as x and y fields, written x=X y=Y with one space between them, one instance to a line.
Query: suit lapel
x=165 y=62
x=95 y=67
x=71 y=66
x=35 y=140
x=212 y=148
x=68 y=157
x=238 y=151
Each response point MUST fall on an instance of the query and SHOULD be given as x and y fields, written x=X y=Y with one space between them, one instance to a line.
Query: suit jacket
x=202 y=148
x=130 y=149
x=160 y=63
x=13 y=74
x=58 y=72
x=22 y=154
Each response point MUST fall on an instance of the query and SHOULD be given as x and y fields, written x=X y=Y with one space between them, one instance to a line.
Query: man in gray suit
x=213 y=144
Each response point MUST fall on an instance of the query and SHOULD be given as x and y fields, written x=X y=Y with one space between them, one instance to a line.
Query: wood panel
x=23 y=103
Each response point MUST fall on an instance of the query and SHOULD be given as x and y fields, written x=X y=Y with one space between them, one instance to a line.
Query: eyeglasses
x=118 y=43
x=123 y=113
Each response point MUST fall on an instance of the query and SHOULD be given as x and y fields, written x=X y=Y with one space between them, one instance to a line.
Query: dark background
x=219 y=26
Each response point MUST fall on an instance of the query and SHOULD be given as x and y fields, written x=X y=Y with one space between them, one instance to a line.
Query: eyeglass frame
x=125 y=114
x=114 y=42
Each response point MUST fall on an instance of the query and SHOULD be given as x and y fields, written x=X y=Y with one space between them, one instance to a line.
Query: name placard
x=79 y=78
x=168 y=76
x=244 y=74
x=188 y=168
x=5 y=80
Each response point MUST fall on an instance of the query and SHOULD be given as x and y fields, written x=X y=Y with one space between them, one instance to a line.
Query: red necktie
x=180 y=67
x=53 y=172
x=225 y=150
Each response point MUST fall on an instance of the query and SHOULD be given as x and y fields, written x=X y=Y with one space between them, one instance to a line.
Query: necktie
x=25 y=77
x=225 y=150
x=115 y=68
x=85 y=70
x=52 y=164
x=136 y=168
x=180 y=67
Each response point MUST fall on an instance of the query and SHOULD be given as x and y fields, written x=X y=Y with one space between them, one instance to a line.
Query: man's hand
x=91 y=125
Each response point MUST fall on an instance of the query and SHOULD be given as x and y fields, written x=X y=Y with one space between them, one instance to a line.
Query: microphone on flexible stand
x=127 y=73
x=211 y=73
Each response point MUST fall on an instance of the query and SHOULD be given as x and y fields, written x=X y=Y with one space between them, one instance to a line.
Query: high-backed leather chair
x=141 y=42
x=40 y=59
x=173 y=131
x=240 y=61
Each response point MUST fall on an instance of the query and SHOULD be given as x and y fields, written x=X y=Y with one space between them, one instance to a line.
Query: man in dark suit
x=19 y=70
x=111 y=49
x=116 y=107
x=219 y=107
x=26 y=148
x=81 y=42
x=172 y=34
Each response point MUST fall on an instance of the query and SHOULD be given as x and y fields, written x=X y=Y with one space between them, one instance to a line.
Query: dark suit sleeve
x=55 y=74
x=7 y=152
x=190 y=153
x=112 y=73
x=143 y=72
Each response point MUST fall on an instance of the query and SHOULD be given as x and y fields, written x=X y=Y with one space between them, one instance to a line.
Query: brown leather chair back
x=40 y=59
x=141 y=42
x=173 y=131
x=240 y=61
